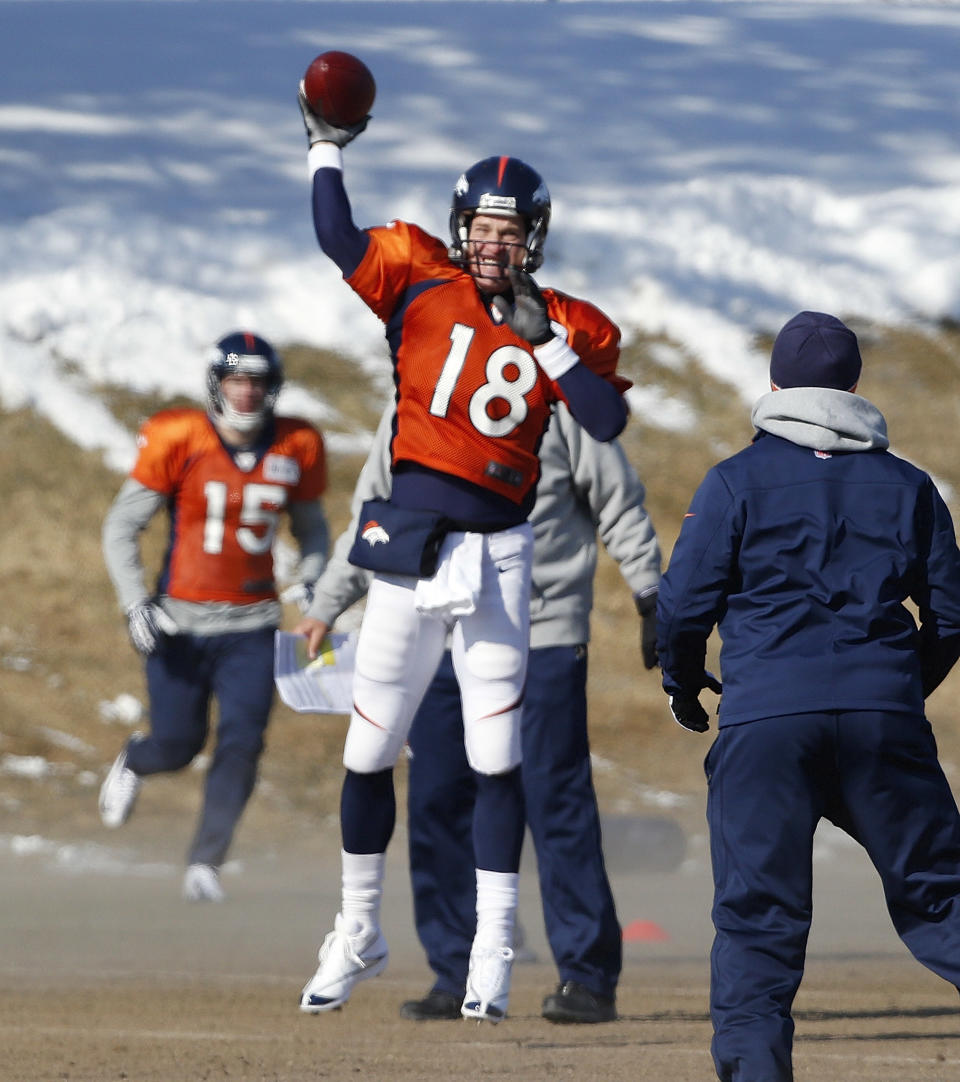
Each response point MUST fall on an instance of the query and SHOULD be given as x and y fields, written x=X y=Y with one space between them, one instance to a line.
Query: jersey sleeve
x=398 y=255
x=162 y=450
x=593 y=336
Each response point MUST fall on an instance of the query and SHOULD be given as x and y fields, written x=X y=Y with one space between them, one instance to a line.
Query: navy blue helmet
x=501 y=186
x=241 y=353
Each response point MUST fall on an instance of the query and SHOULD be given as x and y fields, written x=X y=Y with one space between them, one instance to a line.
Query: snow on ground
x=714 y=166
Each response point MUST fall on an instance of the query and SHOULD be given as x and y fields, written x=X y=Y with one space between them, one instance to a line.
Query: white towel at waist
x=455 y=588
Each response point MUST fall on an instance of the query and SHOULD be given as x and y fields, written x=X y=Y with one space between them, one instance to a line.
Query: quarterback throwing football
x=480 y=354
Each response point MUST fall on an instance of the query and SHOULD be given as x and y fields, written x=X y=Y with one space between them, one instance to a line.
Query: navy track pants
x=578 y=907
x=875 y=775
x=188 y=671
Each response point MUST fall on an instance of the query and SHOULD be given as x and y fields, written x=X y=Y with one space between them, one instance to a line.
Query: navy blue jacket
x=803 y=560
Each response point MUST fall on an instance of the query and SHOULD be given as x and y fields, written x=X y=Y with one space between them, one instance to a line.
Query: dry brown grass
x=63 y=647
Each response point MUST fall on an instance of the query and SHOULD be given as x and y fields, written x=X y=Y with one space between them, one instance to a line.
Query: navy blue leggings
x=182 y=678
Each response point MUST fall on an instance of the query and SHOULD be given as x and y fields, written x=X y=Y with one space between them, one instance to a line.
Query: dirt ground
x=106 y=974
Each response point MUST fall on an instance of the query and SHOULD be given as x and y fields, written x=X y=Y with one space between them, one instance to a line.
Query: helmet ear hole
x=459 y=231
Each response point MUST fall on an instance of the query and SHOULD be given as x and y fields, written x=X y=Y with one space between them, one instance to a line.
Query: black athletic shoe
x=434 y=1007
x=573 y=1003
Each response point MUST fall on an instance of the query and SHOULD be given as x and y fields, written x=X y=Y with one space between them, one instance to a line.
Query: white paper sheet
x=321 y=685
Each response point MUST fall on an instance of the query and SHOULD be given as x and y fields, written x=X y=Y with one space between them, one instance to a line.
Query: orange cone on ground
x=644 y=931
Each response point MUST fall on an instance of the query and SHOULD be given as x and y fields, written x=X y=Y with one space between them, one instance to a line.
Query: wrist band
x=555 y=357
x=324 y=156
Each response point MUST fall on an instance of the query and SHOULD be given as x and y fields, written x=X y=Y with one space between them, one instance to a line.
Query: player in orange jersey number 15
x=225 y=476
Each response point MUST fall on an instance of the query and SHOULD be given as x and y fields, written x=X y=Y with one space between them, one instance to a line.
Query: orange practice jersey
x=471 y=399
x=223 y=519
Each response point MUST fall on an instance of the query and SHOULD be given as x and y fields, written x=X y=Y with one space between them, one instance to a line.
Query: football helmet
x=501 y=186
x=246 y=354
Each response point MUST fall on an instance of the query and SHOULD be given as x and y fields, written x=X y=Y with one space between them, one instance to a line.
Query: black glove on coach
x=686 y=708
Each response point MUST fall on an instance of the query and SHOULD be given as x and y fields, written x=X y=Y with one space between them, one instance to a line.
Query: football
x=340 y=87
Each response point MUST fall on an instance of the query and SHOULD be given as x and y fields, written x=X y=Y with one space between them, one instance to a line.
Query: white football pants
x=399 y=648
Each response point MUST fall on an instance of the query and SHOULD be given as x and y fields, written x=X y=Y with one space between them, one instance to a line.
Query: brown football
x=340 y=87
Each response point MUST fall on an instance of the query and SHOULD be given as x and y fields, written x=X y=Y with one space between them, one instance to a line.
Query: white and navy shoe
x=350 y=953
x=119 y=791
x=202 y=884
x=488 y=983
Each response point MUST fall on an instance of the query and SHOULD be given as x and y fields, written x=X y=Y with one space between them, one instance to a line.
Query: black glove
x=319 y=131
x=528 y=318
x=147 y=623
x=686 y=708
x=647 y=608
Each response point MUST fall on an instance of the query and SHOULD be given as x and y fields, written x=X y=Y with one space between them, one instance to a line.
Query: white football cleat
x=350 y=953
x=488 y=983
x=202 y=884
x=119 y=791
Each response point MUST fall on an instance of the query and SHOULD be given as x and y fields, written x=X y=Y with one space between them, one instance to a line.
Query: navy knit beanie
x=815 y=350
